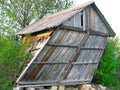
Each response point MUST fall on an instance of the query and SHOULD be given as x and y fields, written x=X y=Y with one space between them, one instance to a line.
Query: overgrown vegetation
x=24 y=12
x=12 y=55
x=14 y=15
x=108 y=71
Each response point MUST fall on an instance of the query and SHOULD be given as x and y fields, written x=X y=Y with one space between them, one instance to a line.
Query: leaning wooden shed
x=72 y=52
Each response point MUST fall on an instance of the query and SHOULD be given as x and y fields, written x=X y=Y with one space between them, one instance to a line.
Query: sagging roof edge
x=112 y=33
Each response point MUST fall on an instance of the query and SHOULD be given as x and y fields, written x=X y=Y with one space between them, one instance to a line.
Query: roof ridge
x=31 y=28
x=71 y=8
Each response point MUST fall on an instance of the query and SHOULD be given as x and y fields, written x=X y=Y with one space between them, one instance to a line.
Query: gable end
x=110 y=30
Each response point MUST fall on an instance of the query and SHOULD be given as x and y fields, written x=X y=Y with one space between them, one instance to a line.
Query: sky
x=110 y=10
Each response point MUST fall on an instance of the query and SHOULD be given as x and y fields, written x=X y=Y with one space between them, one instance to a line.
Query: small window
x=81 y=18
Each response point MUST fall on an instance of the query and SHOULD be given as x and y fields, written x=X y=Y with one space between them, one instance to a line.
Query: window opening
x=81 y=18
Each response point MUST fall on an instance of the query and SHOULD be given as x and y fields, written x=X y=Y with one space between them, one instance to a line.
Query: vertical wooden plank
x=87 y=18
x=45 y=58
x=54 y=88
x=84 y=20
x=28 y=88
x=39 y=88
x=61 y=87
x=18 y=88
x=88 y=71
x=39 y=67
x=99 y=24
x=92 y=19
x=74 y=21
x=74 y=57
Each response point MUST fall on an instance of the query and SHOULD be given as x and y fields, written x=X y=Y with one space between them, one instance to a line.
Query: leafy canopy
x=23 y=12
x=14 y=15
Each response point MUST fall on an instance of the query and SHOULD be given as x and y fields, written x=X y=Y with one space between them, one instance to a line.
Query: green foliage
x=107 y=71
x=23 y=12
x=7 y=25
x=12 y=55
x=14 y=15
x=5 y=87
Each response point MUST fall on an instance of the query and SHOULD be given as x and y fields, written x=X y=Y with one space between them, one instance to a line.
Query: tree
x=7 y=25
x=16 y=14
x=108 y=71
x=12 y=55
x=23 y=12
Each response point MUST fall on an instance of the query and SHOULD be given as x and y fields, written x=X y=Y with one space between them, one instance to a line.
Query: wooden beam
x=37 y=82
x=53 y=83
x=50 y=62
x=92 y=32
x=46 y=57
x=34 y=49
x=54 y=88
x=28 y=88
x=38 y=85
x=33 y=59
x=74 y=57
x=61 y=87
x=85 y=48
x=79 y=63
x=69 y=82
x=76 y=63
x=72 y=46
x=71 y=28
x=39 y=67
x=62 y=45
x=39 y=88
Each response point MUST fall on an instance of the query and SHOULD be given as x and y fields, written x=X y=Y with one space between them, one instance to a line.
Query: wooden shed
x=77 y=38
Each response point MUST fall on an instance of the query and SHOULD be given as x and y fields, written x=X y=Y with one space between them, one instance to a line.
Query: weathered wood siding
x=84 y=71
x=72 y=53
x=91 y=20
x=59 y=52
x=78 y=20
x=96 y=22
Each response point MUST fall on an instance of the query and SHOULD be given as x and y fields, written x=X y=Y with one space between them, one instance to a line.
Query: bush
x=12 y=55
x=5 y=87
x=107 y=71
